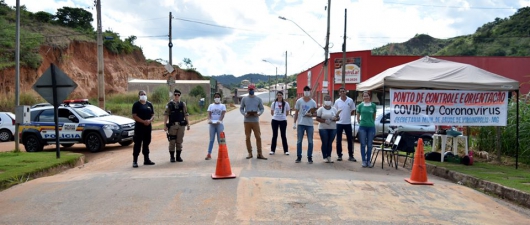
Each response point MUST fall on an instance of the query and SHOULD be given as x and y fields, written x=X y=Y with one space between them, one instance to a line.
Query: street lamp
x=276 y=86
x=283 y=18
x=326 y=47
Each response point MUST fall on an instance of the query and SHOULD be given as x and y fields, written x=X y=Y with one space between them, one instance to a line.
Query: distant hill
x=501 y=37
x=259 y=79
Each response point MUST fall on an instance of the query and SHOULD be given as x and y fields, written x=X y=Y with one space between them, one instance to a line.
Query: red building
x=363 y=65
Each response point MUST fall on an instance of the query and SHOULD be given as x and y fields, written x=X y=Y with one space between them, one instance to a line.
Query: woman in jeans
x=279 y=110
x=327 y=116
x=365 y=117
x=216 y=114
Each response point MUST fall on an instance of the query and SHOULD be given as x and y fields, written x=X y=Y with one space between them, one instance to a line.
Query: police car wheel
x=94 y=142
x=67 y=145
x=32 y=143
x=5 y=135
x=126 y=143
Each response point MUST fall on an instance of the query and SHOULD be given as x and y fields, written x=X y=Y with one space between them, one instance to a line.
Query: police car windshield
x=90 y=111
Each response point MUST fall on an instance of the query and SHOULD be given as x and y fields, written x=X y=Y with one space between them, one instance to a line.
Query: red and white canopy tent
x=436 y=74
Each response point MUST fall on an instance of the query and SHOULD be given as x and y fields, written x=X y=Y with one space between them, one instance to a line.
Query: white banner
x=445 y=107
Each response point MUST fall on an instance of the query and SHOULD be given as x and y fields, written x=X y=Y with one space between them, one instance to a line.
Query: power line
x=453 y=7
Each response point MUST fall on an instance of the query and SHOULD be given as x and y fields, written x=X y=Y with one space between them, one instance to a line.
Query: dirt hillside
x=79 y=61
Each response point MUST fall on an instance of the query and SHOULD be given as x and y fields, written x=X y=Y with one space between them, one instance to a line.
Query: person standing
x=252 y=108
x=279 y=110
x=305 y=106
x=216 y=114
x=177 y=114
x=365 y=117
x=143 y=114
x=346 y=106
x=327 y=116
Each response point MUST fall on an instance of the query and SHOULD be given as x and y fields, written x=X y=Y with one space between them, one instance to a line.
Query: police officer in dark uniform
x=177 y=114
x=144 y=114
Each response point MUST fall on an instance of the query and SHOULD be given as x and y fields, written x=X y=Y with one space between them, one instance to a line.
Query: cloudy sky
x=235 y=36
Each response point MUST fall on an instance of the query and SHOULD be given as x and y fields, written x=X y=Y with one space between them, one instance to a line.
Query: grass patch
x=22 y=166
x=501 y=174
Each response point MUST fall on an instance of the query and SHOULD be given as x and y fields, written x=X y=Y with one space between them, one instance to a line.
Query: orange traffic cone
x=419 y=170
x=223 y=169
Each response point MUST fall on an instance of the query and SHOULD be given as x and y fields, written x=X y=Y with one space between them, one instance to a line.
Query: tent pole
x=383 y=110
x=517 y=130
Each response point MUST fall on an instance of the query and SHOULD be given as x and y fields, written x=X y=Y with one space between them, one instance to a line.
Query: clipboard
x=252 y=113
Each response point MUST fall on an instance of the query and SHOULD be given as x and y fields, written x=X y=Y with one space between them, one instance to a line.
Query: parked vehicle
x=418 y=131
x=7 y=126
x=79 y=122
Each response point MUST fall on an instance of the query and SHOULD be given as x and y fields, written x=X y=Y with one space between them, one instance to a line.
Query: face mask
x=143 y=97
x=217 y=100
x=327 y=103
x=307 y=93
x=251 y=92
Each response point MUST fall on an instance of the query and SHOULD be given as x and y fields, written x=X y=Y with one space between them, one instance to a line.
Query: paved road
x=108 y=190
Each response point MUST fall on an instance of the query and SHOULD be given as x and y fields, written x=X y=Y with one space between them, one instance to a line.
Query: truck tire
x=5 y=135
x=94 y=142
x=32 y=143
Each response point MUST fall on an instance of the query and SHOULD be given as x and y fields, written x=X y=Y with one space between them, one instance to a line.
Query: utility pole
x=344 y=51
x=170 y=45
x=326 y=50
x=101 y=74
x=285 y=78
x=17 y=70
x=276 y=87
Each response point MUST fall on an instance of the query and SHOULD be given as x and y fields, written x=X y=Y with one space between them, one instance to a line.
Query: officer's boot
x=178 y=156
x=172 y=154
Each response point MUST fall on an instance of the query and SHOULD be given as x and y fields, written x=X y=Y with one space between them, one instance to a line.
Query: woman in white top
x=327 y=116
x=279 y=110
x=216 y=114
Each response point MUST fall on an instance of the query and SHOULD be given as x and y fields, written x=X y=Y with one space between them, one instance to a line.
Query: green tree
x=198 y=91
x=130 y=39
x=44 y=17
x=77 y=18
x=187 y=62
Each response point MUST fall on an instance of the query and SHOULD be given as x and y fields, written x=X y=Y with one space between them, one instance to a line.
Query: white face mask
x=143 y=97
x=307 y=93
x=327 y=103
x=217 y=100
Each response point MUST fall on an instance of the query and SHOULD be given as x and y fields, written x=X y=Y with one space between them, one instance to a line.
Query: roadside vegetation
x=20 y=167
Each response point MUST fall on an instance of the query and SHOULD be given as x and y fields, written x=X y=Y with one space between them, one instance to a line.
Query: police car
x=78 y=122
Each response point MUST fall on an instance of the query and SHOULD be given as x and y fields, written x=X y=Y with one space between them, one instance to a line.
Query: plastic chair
x=389 y=146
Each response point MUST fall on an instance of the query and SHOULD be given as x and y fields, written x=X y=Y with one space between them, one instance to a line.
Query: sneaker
x=364 y=164
x=298 y=160
x=352 y=159
x=339 y=158
x=271 y=153
x=286 y=153
x=329 y=159
x=135 y=165
x=208 y=157
x=310 y=160
x=149 y=163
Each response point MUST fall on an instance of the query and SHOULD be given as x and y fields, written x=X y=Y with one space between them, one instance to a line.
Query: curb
x=500 y=191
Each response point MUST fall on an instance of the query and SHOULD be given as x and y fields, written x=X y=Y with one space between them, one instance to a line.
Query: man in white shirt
x=347 y=108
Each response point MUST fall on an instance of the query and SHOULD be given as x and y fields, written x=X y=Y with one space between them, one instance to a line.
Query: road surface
x=274 y=191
